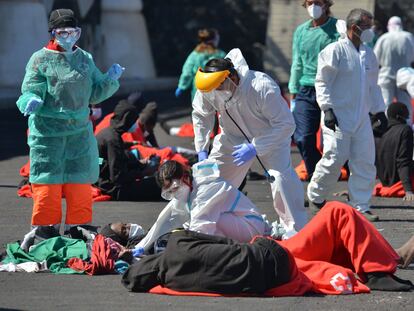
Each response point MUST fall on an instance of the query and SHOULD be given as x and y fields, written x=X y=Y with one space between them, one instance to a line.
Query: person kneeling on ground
x=123 y=175
x=205 y=203
x=354 y=259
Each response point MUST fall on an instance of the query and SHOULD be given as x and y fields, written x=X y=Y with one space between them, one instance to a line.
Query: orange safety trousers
x=47 y=204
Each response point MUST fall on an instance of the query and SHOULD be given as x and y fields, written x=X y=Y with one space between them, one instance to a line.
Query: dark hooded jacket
x=119 y=169
x=394 y=154
x=199 y=262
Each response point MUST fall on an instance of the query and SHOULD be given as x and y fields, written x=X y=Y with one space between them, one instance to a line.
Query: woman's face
x=121 y=229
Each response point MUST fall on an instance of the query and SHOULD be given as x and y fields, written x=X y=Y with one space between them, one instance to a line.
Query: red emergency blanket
x=303 y=174
x=394 y=191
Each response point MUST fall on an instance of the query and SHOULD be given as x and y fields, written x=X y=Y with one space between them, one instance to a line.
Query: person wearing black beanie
x=60 y=83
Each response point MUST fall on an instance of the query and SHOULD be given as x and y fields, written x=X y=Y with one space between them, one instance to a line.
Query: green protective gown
x=63 y=148
x=191 y=65
x=307 y=43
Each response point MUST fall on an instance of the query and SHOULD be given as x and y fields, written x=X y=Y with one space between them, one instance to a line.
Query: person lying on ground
x=337 y=252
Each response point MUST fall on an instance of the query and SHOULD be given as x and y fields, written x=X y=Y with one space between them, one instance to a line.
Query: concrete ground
x=22 y=291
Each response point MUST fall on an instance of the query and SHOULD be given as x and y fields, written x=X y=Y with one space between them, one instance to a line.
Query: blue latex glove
x=243 y=153
x=135 y=153
x=32 y=105
x=202 y=155
x=178 y=92
x=115 y=71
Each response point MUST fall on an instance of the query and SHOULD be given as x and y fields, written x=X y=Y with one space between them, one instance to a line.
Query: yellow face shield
x=209 y=81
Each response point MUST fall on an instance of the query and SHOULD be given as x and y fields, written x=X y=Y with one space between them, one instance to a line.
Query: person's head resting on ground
x=148 y=117
x=123 y=233
x=125 y=117
x=63 y=28
x=395 y=24
x=218 y=78
x=318 y=9
x=398 y=112
x=174 y=180
x=208 y=40
x=359 y=27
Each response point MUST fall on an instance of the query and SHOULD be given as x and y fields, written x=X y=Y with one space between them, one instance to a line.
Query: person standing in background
x=347 y=92
x=309 y=39
x=394 y=50
x=206 y=49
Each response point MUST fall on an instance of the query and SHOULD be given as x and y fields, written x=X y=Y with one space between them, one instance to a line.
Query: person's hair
x=206 y=38
x=220 y=64
x=168 y=171
x=398 y=111
x=328 y=4
x=355 y=17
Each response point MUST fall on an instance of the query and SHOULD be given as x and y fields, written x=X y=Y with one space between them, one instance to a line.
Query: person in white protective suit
x=255 y=120
x=204 y=202
x=394 y=50
x=405 y=80
x=347 y=92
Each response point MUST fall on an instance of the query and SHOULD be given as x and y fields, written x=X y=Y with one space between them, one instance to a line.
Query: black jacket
x=119 y=168
x=394 y=154
x=204 y=263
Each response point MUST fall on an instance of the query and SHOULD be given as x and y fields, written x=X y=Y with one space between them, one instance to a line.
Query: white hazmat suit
x=346 y=81
x=213 y=207
x=405 y=80
x=394 y=50
x=264 y=116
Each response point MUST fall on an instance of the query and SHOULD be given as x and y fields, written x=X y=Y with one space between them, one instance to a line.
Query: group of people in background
x=335 y=77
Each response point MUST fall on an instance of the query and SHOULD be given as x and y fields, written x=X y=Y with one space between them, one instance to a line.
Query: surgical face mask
x=67 y=37
x=367 y=35
x=133 y=128
x=135 y=230
x=177 y=190
x=315 y=11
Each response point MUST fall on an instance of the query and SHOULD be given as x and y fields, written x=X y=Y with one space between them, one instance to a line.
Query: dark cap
x=62 y=18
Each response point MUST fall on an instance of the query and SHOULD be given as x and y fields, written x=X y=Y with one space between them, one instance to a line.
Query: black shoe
x=386 y=282
x=316 y=207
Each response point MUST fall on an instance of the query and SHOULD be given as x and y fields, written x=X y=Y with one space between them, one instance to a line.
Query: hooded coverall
x=346 y=81
x=213 y=207
x=394 y=50
x=264 y=116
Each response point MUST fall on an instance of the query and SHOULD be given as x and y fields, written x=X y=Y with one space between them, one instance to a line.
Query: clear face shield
x=222 y=96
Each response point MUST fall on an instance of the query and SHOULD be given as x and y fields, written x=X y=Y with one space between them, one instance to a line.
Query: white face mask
x=177 y=190
x=315 y=11
x=135 y=230
x=221 y=98
x=367 y=35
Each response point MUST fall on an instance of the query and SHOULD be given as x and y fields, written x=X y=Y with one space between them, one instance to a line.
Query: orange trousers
x=47 y=204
